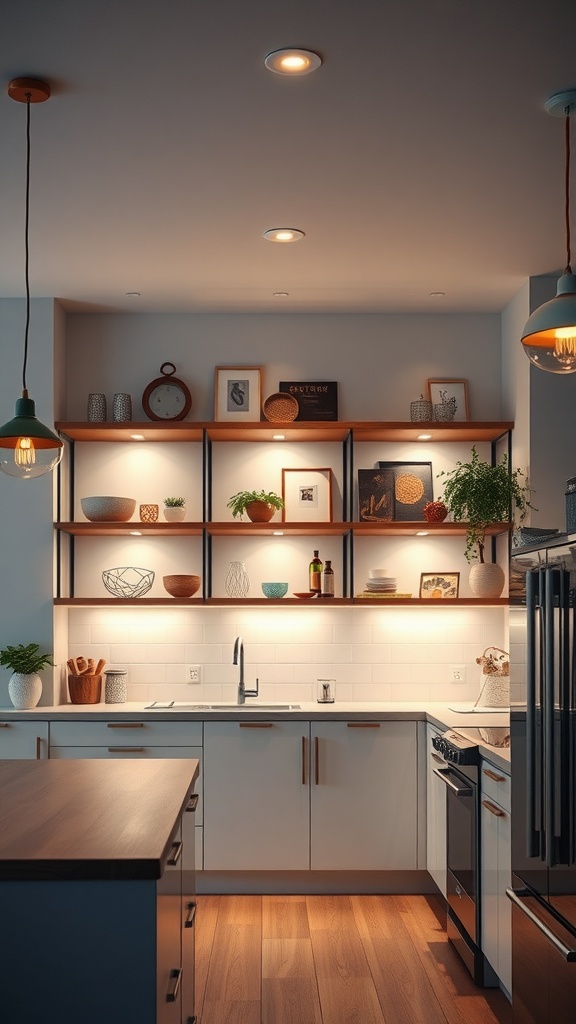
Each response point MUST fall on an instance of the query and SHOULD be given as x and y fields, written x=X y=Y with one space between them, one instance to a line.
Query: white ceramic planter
x=24 y=690
x=486 y=580
x=174 y=515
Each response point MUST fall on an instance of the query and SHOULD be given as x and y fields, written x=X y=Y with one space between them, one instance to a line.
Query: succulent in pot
x=174 y=509
x=25 y=685
x=259 y=506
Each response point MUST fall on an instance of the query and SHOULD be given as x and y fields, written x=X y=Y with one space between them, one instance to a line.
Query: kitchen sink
x=174 y=705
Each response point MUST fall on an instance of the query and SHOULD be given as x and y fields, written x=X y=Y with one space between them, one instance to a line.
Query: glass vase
x=237 y=582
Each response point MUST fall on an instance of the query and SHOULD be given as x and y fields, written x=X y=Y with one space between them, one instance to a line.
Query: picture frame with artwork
x=317 y=399
x=394 y=492
x=237 y=393
x=307 y=495
x=450 y=392
x=439 y=586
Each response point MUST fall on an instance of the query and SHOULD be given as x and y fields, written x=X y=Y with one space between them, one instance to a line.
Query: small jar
x=115 y=686
x=96 y=410
x=122 y=408
x=444 y=412
x=421 y=411
x=149 y=513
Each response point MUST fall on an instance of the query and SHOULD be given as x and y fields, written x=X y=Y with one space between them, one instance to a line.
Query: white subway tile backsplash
x=373 y=653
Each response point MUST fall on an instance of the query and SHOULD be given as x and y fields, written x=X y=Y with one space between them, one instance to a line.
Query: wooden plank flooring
x=333 y=960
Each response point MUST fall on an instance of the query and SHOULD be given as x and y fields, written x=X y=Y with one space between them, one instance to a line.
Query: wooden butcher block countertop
x=90 y=819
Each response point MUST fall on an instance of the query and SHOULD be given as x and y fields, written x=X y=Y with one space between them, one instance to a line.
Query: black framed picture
x=394 y=492
x=317 y=399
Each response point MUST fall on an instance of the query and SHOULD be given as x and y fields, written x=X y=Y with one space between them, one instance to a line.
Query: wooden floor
x=333 y=960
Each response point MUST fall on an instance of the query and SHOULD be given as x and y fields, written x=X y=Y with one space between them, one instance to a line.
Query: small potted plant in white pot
x=259 y=506
x=174 y=509
x=25 y=685
x=482 y=495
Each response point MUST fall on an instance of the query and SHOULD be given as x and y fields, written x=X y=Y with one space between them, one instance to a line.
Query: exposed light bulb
x=24 y=452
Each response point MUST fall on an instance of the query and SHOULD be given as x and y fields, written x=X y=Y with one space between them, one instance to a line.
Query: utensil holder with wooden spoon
x=85 y=689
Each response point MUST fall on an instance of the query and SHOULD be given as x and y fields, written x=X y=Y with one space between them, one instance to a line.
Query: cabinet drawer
x=143 y=733
x=495 y=784
x=135 y=750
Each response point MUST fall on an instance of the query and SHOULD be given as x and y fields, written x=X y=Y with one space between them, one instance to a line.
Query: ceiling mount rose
x=291 y=61
x=29 y=90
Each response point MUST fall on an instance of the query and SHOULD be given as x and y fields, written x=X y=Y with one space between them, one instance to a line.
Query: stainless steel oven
x=460 y=776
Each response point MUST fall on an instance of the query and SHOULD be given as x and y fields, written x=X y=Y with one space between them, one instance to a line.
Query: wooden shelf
x=124 y=529
x=127 y=602
x=179 y=602
x=413 y=529
x=277 y=527
x=184 y=430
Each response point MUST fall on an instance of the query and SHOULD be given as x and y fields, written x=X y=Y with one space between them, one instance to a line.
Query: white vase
x=486 y=579
x=174 y=515
x=24 y=689
x=237 y=582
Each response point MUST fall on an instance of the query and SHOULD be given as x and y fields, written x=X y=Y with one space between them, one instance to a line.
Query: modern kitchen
x=301 y=767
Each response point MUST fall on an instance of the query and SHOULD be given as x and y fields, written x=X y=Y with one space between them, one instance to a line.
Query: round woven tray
x=280 y=408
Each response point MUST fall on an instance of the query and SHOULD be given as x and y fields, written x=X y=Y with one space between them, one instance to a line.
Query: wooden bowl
x=281 y=408
x=181 y=585
x=305 y=594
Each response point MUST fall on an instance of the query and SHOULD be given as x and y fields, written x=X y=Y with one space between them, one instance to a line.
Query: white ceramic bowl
x=377 y=573
x=106 y=508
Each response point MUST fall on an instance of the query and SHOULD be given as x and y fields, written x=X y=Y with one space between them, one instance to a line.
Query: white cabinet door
x=23 y=740
x=256 y=796
x=495 y=878
x=435 y=815
x=364 y=796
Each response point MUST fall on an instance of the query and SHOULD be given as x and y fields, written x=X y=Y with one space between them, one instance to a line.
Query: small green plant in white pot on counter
x=174 y=509
x=25 y=685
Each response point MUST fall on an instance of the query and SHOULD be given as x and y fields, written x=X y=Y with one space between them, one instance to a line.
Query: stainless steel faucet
x=238 y=659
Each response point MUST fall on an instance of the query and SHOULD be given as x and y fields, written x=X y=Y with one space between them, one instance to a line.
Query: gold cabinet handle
x=175 y=979
x=255 y=725
x=124 y=725
x=493 y=809
x=316 y=761
x=193 y=802
x=493 y=776
x=363 y=725
x=191 y=908
x=177 y=848
x=304 y=758
x=38 y=748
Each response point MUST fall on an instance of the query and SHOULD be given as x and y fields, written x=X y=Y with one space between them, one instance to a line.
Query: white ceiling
x=419 y=158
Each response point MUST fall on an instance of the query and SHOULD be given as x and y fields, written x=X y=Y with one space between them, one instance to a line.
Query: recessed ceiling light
x=135 y=533
x=436 y=295
x=137 y=437
x=292 y=62
x=280 y=295
x=132 y=295
x=278 y=533
x=283 y=235
x=278 y=437
x=424 y=437
x=422 y=533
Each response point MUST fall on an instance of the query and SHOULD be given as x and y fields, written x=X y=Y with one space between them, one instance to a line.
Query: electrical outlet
x=193 y=673
x=457 y=673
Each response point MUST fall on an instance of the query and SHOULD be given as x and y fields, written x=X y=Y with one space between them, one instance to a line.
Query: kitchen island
x=96 y=922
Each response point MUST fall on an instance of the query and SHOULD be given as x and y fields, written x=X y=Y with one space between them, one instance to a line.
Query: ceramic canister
x=115 y=686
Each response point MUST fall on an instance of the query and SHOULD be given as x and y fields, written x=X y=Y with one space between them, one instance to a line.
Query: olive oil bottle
x=315 y=575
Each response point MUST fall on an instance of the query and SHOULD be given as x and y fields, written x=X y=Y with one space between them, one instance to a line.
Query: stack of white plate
x=380 y=582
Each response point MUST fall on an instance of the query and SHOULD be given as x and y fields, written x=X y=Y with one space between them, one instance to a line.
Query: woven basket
x=280 y=408
x=495 y=678
x=85 y=689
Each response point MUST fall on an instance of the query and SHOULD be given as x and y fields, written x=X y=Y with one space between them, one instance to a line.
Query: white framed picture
x=237 y=393
x=449 y=399
x=307 y=495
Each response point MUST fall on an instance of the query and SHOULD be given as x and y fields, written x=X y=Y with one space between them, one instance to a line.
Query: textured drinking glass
x=96 y=411
x=149 y=513
x=122 y=408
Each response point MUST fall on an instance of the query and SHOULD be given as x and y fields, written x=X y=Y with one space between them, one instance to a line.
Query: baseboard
x=314 y=882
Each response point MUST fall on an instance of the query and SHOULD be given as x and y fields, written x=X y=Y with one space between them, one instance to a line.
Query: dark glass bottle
x=328 y=580
x=315 y=575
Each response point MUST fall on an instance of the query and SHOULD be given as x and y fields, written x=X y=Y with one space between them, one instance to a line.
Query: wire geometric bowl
x=128 y=581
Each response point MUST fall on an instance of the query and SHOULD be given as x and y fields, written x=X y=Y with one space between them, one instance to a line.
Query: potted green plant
x=174 y=509
x=259 y=506
x=24 y=685
x=480 y=495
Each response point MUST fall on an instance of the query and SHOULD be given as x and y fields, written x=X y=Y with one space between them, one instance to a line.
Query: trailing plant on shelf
x=174 y=502
x=259 y=506
x=480 y=495
x=24 y=685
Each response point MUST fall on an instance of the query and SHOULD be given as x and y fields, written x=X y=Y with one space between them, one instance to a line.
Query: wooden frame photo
x=394 y=492
x=441 y=586
x=237 y=393
x=450 y=392
x=307 y=495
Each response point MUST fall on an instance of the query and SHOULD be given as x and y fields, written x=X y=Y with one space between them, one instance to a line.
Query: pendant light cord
x=27 y=247
x=568 y=269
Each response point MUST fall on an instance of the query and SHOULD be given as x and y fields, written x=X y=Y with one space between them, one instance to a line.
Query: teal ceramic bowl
x=274 y=589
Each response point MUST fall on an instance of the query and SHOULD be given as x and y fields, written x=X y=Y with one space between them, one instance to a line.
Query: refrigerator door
x=543 y=963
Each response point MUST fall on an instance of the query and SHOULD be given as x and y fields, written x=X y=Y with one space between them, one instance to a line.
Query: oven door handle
x=443 y=774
